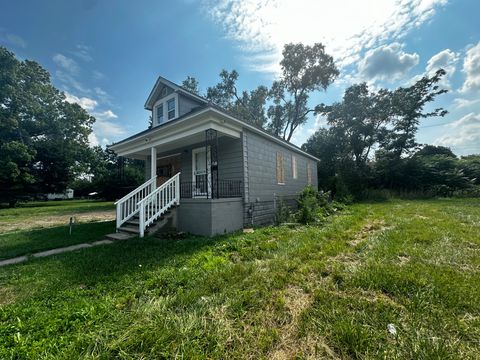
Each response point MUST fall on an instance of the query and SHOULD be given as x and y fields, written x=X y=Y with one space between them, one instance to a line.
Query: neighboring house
x=68 y=194
x=223 y=172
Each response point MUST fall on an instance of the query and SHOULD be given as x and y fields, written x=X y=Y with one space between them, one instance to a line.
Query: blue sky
x=106 y=55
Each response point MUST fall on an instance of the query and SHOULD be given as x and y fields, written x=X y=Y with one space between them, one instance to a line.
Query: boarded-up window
x=280 y=168
x=309 y=174
x=294 y=167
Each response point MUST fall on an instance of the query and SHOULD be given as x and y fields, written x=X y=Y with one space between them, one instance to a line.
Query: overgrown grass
x=310 y=291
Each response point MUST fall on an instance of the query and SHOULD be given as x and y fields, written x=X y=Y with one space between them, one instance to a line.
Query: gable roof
x=177 y=88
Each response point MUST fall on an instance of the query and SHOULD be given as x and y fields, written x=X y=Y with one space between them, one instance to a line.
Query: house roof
x=177 y=88
x=204 y=105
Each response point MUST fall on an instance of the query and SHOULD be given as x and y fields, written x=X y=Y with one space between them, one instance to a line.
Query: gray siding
x=230 y=163
x=185 y=105
x=261 y=177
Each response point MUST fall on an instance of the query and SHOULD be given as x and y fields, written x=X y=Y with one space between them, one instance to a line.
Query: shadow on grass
x=27 y=242
x=107 y=263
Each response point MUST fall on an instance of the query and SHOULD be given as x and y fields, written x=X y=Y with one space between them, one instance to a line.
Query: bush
x=282 y=213
x=314 y=206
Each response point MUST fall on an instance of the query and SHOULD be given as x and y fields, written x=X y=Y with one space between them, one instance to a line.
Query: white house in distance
x=217 y=172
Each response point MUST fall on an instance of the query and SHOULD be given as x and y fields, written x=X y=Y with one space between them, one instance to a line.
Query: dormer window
x=166 y=109
x=171 y=108
x=160 y=114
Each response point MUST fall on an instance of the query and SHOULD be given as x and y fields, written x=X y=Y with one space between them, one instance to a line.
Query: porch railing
x=201 y=188
x=158 y=202
x=127 y=206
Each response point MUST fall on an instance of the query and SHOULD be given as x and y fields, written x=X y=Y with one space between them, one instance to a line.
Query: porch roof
x=191 y=127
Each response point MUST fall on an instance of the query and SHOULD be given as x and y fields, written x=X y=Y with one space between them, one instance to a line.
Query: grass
x=37 y=226
x=52 y=213
x=327 y=291
x=30 y=241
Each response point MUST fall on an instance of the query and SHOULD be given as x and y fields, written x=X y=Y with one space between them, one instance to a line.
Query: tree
x=248 y=106
x=191 y=84
x=304 y=69
x=43 y=137
x=385 y=123
x=407 y=111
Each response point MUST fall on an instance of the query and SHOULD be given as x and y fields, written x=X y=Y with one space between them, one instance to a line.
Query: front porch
x=202 y=172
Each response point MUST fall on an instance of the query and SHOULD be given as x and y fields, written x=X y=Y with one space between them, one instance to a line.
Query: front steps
x=131 y=228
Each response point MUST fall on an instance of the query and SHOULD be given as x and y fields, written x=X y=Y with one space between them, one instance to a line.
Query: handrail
x=144 y=185
x=127 y=205
x=155 y=204
x=172 y=179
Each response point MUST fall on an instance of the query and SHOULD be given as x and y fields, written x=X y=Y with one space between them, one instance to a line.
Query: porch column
x=153 y=164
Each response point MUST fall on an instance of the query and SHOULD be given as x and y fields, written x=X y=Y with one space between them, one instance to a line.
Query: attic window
x=166 y=109
x=171 y=108
x=160 y=114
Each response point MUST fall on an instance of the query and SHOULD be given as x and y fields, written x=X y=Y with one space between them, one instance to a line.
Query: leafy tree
x=429 y=150
x=43 y=138
x=248 y=106
x=191 y=84
x=304 y=69
x=408 y=109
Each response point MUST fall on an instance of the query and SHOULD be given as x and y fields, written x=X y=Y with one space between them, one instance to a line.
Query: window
x=294 y=167
x=309 y=174
x=280 y=169
x=166 y=109
x=171 y=109
x=160 y=114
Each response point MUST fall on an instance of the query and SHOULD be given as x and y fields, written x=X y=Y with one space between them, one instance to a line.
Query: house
x=217 y=172
x=67 y=194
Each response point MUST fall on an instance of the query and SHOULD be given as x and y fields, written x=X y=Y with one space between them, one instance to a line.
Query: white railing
x=158 y=202
x=127 y=206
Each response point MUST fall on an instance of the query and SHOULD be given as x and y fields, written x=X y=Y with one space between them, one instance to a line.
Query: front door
x=201 y=172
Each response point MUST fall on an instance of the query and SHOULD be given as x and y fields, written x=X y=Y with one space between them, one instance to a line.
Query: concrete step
x=119 y=236
x=129 y=229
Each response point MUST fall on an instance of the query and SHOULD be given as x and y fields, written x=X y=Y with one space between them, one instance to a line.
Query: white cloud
x=66 y=63
x=387 y=62
x=103 y=128
x=463 y=134
x=346 y=27
x=471 y=68
x=445 y=59
x=86 y=103
x=93 y=140
x=104 y=115
x=464 y=103
x=83 y=53
x=12 y=39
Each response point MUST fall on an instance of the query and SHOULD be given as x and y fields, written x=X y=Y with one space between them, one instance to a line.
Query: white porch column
x=153 y=164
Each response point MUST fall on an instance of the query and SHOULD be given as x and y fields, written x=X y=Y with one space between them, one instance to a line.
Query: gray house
x=216 y=172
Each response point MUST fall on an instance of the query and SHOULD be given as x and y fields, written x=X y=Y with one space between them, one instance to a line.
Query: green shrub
x=283 y=213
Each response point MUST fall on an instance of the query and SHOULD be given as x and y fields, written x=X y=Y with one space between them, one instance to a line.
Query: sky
x=106 y=55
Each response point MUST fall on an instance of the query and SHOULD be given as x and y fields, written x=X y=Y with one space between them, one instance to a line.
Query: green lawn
x=51 y=213
x=307 y=292
x=37 y=226
x=30 y=241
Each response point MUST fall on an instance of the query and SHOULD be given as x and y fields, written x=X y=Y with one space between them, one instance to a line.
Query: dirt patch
x=290 y=345
x=403 y=259
x=367 y=230
x=7 y=296
x=56 y=220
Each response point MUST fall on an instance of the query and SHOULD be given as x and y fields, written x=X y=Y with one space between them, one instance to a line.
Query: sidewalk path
x=51 y=252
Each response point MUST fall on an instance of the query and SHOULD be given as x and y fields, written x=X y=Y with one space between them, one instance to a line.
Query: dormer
x=168 y=101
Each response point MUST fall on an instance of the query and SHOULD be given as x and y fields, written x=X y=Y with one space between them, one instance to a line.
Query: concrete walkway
x=51 y=252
